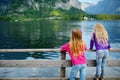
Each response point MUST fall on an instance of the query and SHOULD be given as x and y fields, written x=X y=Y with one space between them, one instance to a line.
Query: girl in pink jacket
x=76 y=48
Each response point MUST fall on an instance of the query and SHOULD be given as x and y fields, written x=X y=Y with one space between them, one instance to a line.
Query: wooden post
x=63 y=71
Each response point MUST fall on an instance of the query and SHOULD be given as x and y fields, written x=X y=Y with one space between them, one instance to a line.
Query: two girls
x=76 y=48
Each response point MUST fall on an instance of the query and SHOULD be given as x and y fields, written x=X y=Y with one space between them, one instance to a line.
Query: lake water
x=50 y=34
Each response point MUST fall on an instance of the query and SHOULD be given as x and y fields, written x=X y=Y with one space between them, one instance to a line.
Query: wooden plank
x=51 y=63
x=113 y=63
x=45 y=50
x=35 y=63
x=114 y=50
x=59 y=78
x=110 y=63
x=111 y=50
x=29 y=50
x=63 y=69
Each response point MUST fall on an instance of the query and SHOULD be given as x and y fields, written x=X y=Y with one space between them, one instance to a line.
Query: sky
x=90 y=1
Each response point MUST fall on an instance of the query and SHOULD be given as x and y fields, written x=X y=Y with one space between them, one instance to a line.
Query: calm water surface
x=49 y=34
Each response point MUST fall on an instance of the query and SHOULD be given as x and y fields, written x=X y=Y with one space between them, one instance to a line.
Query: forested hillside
x=40 y=9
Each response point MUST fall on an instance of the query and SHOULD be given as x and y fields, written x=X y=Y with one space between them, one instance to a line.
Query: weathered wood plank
x=110 y=63
x=63 y=69
x=45 y=50
x=29 y=50
x=51 y=63
x=34 y=63
x=60 y=78
x=111 y=50
x=113 y=63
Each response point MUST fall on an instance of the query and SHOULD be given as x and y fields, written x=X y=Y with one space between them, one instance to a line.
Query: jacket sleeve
x=64 y=47
x=109 y=45
x=92 y=42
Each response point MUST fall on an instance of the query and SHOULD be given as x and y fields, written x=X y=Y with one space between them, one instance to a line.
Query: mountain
x=20 y=6
x=105 y=7
x=85 y=5
x=42 y=9
x=69 y=4
x=8 y=6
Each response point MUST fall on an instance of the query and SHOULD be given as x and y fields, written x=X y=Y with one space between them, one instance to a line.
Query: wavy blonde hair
x=76 y=43
x=101 y=33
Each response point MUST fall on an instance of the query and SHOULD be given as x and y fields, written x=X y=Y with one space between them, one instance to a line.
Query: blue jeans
x=81 y=68
x=101 y=58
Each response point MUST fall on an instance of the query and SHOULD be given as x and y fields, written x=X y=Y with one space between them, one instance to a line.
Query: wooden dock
x=62 y=64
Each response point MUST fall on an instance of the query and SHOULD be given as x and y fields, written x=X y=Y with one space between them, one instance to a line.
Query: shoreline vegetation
x=65 y=17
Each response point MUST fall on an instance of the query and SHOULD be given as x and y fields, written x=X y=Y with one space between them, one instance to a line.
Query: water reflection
x=29 y=55
x=42 y=34
x=49 y=34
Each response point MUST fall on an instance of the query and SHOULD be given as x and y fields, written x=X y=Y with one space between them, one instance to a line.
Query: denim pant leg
x=83 y=72
x=75 y=69
x=73 y=72
x=99 y=56
x=104 y=60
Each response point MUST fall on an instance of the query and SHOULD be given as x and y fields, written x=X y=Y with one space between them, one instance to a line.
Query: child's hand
x=88 y=50
x=62 y=51
x=111 y=49
x=91 y=50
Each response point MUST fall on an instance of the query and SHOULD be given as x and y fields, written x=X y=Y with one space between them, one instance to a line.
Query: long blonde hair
x=76 y=43
x=101 y=33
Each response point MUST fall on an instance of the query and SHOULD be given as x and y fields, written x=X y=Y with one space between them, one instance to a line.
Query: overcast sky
x=91 y=1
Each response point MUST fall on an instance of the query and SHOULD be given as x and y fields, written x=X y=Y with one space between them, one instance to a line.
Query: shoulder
x=65 y=47
x=66 y=44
